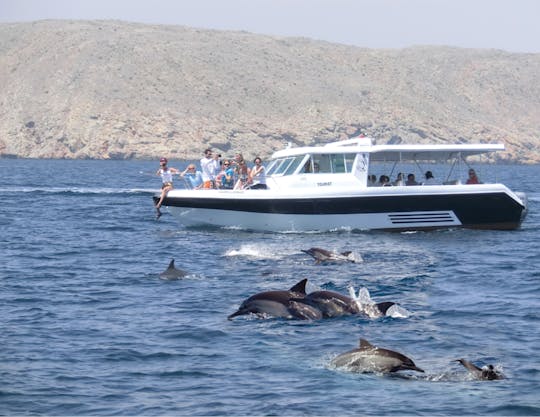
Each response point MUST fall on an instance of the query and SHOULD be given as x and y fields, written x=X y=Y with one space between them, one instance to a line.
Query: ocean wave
x=76 y=190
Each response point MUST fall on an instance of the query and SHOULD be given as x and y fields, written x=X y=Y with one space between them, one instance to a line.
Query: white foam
x=255 y=251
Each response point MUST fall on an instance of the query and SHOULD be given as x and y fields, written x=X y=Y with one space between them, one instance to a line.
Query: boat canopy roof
x=399 y=152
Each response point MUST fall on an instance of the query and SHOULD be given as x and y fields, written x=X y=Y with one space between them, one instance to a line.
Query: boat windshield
x=284 y=166
x=315 y=163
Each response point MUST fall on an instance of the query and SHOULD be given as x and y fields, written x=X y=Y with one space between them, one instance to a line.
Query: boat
x=327 y=188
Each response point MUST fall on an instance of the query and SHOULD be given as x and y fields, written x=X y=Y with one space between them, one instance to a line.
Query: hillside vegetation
x=109 y=89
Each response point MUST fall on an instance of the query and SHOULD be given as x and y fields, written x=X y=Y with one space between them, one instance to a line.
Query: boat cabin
x=355 y=162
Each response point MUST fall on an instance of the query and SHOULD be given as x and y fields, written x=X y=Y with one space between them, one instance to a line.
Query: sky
x=512 y=25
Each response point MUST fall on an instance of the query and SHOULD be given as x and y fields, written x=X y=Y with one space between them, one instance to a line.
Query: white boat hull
x=193 y=217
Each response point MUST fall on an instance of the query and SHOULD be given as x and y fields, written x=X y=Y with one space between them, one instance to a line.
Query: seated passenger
x=430 y=180
x=384 y=181
x=242 y=172
x=225 y=179
x=371 y=180
x=193 y=177
x=411 y=180
x=399 y=179
x=473 y=179
x=257 y=176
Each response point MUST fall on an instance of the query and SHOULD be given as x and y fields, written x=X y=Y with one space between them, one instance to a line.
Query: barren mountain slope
x=107 y=89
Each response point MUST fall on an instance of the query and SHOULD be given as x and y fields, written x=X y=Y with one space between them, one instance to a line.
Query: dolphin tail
x=384 y=306
x=469 y=365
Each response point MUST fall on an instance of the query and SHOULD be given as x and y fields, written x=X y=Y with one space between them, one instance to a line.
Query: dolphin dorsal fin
x=365 y=344
x=300 y=287
x=171 y=264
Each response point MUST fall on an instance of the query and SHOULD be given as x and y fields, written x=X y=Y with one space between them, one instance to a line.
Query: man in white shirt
x=209 y=168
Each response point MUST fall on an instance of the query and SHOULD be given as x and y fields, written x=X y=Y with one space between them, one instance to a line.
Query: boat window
x=294 y=164
x=321 y=163
x=338 y=163
x=271 y=166
x=333 y=163
x=284 y=166
x=349 y=160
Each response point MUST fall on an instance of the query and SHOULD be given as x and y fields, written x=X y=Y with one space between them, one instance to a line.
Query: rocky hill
x=108 y=89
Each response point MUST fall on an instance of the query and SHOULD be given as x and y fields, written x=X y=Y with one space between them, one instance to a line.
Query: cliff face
x=107 y=89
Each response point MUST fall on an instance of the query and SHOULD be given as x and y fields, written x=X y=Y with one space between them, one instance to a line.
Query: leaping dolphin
x=368 y=358
x=283 y=304
x=172 y=272
x=486 y=372
x=323 y=255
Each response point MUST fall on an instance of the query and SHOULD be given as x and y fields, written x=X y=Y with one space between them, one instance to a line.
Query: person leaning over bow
x=167 y=181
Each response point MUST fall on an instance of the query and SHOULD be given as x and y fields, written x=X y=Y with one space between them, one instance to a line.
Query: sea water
x=89 y=328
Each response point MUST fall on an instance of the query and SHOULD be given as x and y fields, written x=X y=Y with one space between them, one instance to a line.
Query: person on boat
x=225 y=179
x=473 y=179
x=193 y=177
x=372 y=180
x=241 y=172
x=384 y=181
x=166 y=175
x=430 y=179
x=209 y=168
x=399 y=179
x=411 y=180
x=257 y=176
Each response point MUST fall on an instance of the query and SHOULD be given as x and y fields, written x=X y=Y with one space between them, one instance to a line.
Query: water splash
x=367 y=306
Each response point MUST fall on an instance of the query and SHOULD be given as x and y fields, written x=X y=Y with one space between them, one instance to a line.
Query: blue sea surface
x=89 y=328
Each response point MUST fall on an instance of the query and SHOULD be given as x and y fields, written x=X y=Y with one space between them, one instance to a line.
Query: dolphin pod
x=296 y=303
x=368 y=358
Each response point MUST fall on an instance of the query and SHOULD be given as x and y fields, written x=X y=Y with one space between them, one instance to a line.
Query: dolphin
x=323 y=255
x=331 y=303
x=486 y=372
x=283 y=304
x=172 y=272
x=368 y=358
